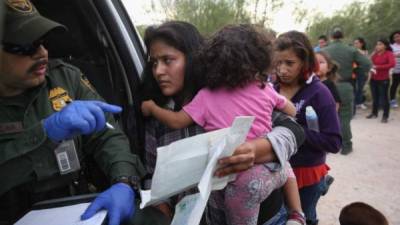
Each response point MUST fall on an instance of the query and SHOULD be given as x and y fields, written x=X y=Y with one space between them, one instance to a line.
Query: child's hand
x=147 y=107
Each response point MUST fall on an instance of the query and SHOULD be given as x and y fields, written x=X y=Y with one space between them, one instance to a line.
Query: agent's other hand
x=147 y=107
x=242 y=159
x=118 y=200
x=79 y=117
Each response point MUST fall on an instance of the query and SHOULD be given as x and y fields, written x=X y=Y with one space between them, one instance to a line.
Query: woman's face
x=323 y=65
x=357 y=44
x=288 y=66
x=380 y=47
x=168 y=66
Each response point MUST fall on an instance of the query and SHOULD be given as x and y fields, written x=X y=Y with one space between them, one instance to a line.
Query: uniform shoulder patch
x=23 y=6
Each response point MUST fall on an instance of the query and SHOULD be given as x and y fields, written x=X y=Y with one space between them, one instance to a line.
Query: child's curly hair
x=235 y=56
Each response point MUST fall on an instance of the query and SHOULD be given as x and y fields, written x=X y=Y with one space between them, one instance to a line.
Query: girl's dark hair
x=359 y=213
x=391 y=37
x=235 y=56
x=184 y=37
x=386 y=43
x=333 y=66
x=363 y=43
x=301 y=46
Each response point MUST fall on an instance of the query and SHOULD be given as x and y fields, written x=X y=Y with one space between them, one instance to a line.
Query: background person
x=295 y=67
x=395 y=45
x=361 y=76
x=345 y=56
x=175 y=85
x=360 y=213
x=328 y=74
x=322 y=42
x=383 y=60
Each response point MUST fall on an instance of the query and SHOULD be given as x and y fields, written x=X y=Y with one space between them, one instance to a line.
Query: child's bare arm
x=174 y=120
x=289 y=109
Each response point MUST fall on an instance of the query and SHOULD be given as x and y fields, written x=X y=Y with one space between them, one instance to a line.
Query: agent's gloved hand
x=118 y=200
x=79 y=117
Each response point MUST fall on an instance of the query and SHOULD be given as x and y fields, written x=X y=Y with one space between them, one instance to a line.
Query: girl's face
x=288 y=66
x=357 y=44
x=168 y=66
x=380 y=47
x=323 y=65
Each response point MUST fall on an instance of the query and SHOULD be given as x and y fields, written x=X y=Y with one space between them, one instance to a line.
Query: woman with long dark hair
x=296 y=66
x=383 y=60
x=171 y=79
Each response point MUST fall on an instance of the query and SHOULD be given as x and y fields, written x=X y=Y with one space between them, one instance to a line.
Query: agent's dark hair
x=363 y=43
x=301 y=46
x=359 y=213
x=386 y=43
x=323 y=37
x=391 y=37
x=333 y=67
x=235 y=56
x=184 y=37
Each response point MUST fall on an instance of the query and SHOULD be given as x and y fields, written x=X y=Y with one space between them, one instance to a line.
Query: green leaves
x=372 y=21
x=210 y=15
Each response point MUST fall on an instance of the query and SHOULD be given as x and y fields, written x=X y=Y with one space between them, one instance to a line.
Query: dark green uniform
x=28 y=166
x=345 y=56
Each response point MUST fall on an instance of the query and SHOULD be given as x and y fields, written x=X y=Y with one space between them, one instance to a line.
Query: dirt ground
x=371 y=173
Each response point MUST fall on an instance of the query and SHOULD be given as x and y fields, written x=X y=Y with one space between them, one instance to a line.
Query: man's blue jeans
x=309 y=197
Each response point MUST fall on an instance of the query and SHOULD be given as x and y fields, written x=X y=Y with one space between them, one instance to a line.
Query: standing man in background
x=345 y=56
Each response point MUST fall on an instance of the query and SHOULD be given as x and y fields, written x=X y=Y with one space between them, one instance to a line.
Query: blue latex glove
x=78 y=117
x=118 y=200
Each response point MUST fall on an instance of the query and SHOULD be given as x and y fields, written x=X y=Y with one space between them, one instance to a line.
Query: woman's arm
x=279 y=145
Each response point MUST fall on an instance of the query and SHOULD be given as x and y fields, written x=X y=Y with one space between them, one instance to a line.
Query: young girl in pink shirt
x=235 y=63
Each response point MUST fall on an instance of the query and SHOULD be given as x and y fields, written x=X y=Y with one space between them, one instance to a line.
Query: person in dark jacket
x=296 y=66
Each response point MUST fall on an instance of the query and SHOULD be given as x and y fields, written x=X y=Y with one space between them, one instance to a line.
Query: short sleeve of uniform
x=197 y=108
x=280 y=100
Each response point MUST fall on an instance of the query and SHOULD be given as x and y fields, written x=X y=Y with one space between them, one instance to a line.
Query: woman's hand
x=147 y=107
x=242 y=159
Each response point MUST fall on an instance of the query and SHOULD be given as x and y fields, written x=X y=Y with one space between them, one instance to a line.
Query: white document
x=222 y=148
x=179 y=166
x=67 y=215
x=191 y=161
x=190 y=209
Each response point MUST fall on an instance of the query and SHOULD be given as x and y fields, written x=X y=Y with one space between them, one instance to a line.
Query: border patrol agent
x=346 y=56
x=51 y=122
